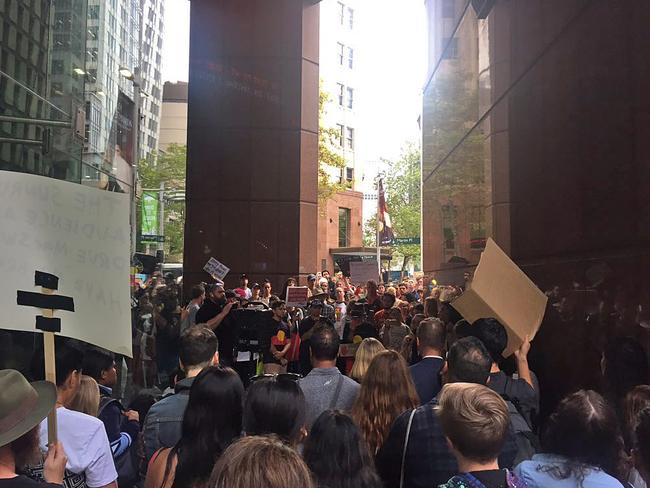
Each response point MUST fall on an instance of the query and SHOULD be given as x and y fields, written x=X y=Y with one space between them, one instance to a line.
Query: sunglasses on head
x=278 y=377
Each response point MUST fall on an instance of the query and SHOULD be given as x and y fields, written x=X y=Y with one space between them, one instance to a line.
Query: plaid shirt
x=428 y=459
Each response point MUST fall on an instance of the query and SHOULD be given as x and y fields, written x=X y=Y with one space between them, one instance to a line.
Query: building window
x=349 y=140
x=340 y=50
x=340 y=130
x=351 y=18
x=476 y=220
x=451 y=45
x=341 y=93
x=448 y=9
x=93 y=12
x=448 y=234
x=350 y=58
x=344 y=227
x=350 y=97
x=349 y=174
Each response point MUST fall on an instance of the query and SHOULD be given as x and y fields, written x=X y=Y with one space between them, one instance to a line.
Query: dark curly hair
x=584 y=429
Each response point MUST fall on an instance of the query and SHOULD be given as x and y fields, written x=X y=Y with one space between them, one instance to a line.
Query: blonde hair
x=475 y=419
x=87 y=398
x=368 y=349
x=260 y=461
x=386 y=391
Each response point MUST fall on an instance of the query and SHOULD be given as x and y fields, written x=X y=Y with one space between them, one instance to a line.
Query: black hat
x=243 y=276
x=357 y=313
x=311 y=277
x=316 y=303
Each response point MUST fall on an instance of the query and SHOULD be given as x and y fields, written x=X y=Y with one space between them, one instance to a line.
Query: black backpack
x=126 y=464
x=526 y=440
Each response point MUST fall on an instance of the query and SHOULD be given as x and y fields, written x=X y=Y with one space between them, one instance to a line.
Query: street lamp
x=134 y=77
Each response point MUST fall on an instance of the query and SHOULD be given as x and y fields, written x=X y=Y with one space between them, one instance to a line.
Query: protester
x=122 y=426
x=340 y=311
x=475 y=421
x=635 y=401
x=256 y=290
x=206 y=432
x=582 y=446
x=394 y=330
x=358 y=327
x=188 y=314
x=163 y=425
x=305 y=330
x=278 y=343
x=287 y=284
x=87 y=398
x=267 y=292
x=386 y=391
x=522 y=391
x=83 y=437
x=372 y=298
x=426 y=373
x=430 y=307
x=387 y=303
x=22 y=407
x=215 y=308
x=260 y=462
x=367 y=350
x=641 y=452
x=427 y=459
x=247 y=293
x=337 y=454
x=325 y=388
x=275 y=405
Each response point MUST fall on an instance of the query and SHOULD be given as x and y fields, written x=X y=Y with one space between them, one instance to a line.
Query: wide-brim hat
x=23 y=405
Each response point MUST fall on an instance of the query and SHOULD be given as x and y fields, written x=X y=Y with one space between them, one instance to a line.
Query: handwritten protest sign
x=363 y=271
x=297 y=296
x=501 y=290
x=216 y=269
x=77 y=233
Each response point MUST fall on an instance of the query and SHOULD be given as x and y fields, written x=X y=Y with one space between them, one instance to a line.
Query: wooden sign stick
x=50 y=369
x=48 y=302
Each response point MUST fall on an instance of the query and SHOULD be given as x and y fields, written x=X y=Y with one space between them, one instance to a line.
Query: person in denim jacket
x=582 y=447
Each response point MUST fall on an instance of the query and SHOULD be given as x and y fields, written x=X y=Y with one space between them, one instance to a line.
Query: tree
x=329 y=156
x=170 y=168
x=402 y=184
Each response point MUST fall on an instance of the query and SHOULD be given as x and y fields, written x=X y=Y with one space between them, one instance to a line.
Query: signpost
x=406 y=240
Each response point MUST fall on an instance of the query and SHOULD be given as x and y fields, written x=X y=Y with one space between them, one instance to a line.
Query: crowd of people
x=379 y=385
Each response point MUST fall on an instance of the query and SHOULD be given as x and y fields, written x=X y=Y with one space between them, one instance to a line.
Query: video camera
x=251 y=326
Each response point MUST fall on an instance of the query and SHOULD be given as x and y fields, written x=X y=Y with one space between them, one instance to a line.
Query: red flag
x=384 y=224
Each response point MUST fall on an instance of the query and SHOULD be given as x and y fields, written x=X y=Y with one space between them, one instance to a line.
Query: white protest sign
x=77 y=233
x=501 y=290
x=297 y=296
x=216 y=269
x=363 y=271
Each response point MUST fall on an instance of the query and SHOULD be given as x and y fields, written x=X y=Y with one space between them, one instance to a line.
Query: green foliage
x=402 y=183
x=169 y=168
x=329 y=156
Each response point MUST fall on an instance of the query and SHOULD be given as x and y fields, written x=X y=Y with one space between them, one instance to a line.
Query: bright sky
x=393 y=38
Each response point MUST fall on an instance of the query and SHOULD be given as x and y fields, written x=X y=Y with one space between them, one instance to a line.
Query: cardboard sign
x=363 y=271
x=501 y=290
x=216 y=269
x=77 y=233
x=297 y=296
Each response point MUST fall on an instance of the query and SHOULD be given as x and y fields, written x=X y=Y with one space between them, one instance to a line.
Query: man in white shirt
x=83 y=437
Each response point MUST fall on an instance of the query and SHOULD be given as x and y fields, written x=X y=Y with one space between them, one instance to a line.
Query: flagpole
x=379 y=186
